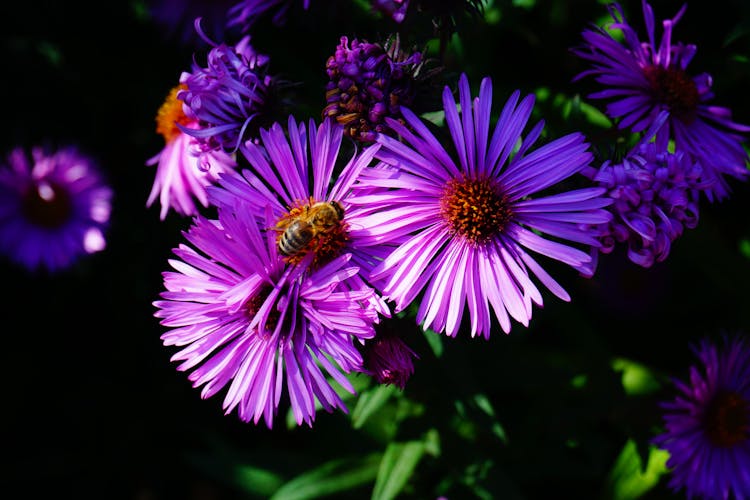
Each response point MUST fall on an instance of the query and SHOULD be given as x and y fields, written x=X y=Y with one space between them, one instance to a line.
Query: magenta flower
x=463 y=228
x=292 y=170
x=247 y=321
x=707 y=424
x=642 y=79
x=54 y=208
x=182 y=172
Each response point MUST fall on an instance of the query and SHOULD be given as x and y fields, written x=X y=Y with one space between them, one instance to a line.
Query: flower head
x=247 y=320
x=292 y=172
x=656 y=195
x=246 y=13
x=230 y=98
x=463 y=227
x=54 y=207
x=369 y=82
x=708 y=423
x=182 y=172
x=642 y=79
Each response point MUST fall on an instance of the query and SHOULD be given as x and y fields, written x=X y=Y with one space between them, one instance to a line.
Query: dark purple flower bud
x=388 y=358
x=369 y=82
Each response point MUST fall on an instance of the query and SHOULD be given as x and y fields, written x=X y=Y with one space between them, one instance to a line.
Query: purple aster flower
x=656 y=195
x=230 y=98
x=182 y=173
x=395 y=9
x=387 y=358
x=247 y=12
x=295 y=180
x=249 y=322
x=369 y=82
x=707 y=424
x=54 y=208
x=464 y=227
x=646 y=78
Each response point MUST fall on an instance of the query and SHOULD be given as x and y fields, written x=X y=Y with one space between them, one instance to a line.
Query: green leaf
x=628 y=479
x=396 y=467
x=332 y=477
x=255 y=480
x=637 y=379
x=370 y=402
x=435 y=340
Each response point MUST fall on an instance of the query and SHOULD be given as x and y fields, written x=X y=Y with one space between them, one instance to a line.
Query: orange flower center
x=727 y=419
x=475 y=208
x=170 y=114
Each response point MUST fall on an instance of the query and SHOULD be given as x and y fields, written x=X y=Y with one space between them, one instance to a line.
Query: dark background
x=94 y=408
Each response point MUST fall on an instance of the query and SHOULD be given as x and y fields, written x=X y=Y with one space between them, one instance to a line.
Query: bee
x=315 y=220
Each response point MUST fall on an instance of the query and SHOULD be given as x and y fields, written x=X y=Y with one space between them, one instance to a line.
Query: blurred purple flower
x=230 y=98
x=395 y=9
x=247 y=12
x=249 y=321
x=182 y=173
x=54 y=207
x=178 y=17
x=643 y=79
x=369 y=82
x=463 y=227
x=708 y=423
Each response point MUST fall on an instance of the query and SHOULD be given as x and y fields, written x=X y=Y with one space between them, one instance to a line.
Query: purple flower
x=369 y=82
x=708 y=423
x=247 y=12
x=182 y=173
x=463 y=227
x=656 y=195
x=395 y=9
x=247 y=321
x=289 y=178
x=230 y=98
x=54 y=207
x=643 y=79
x=387 y=358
